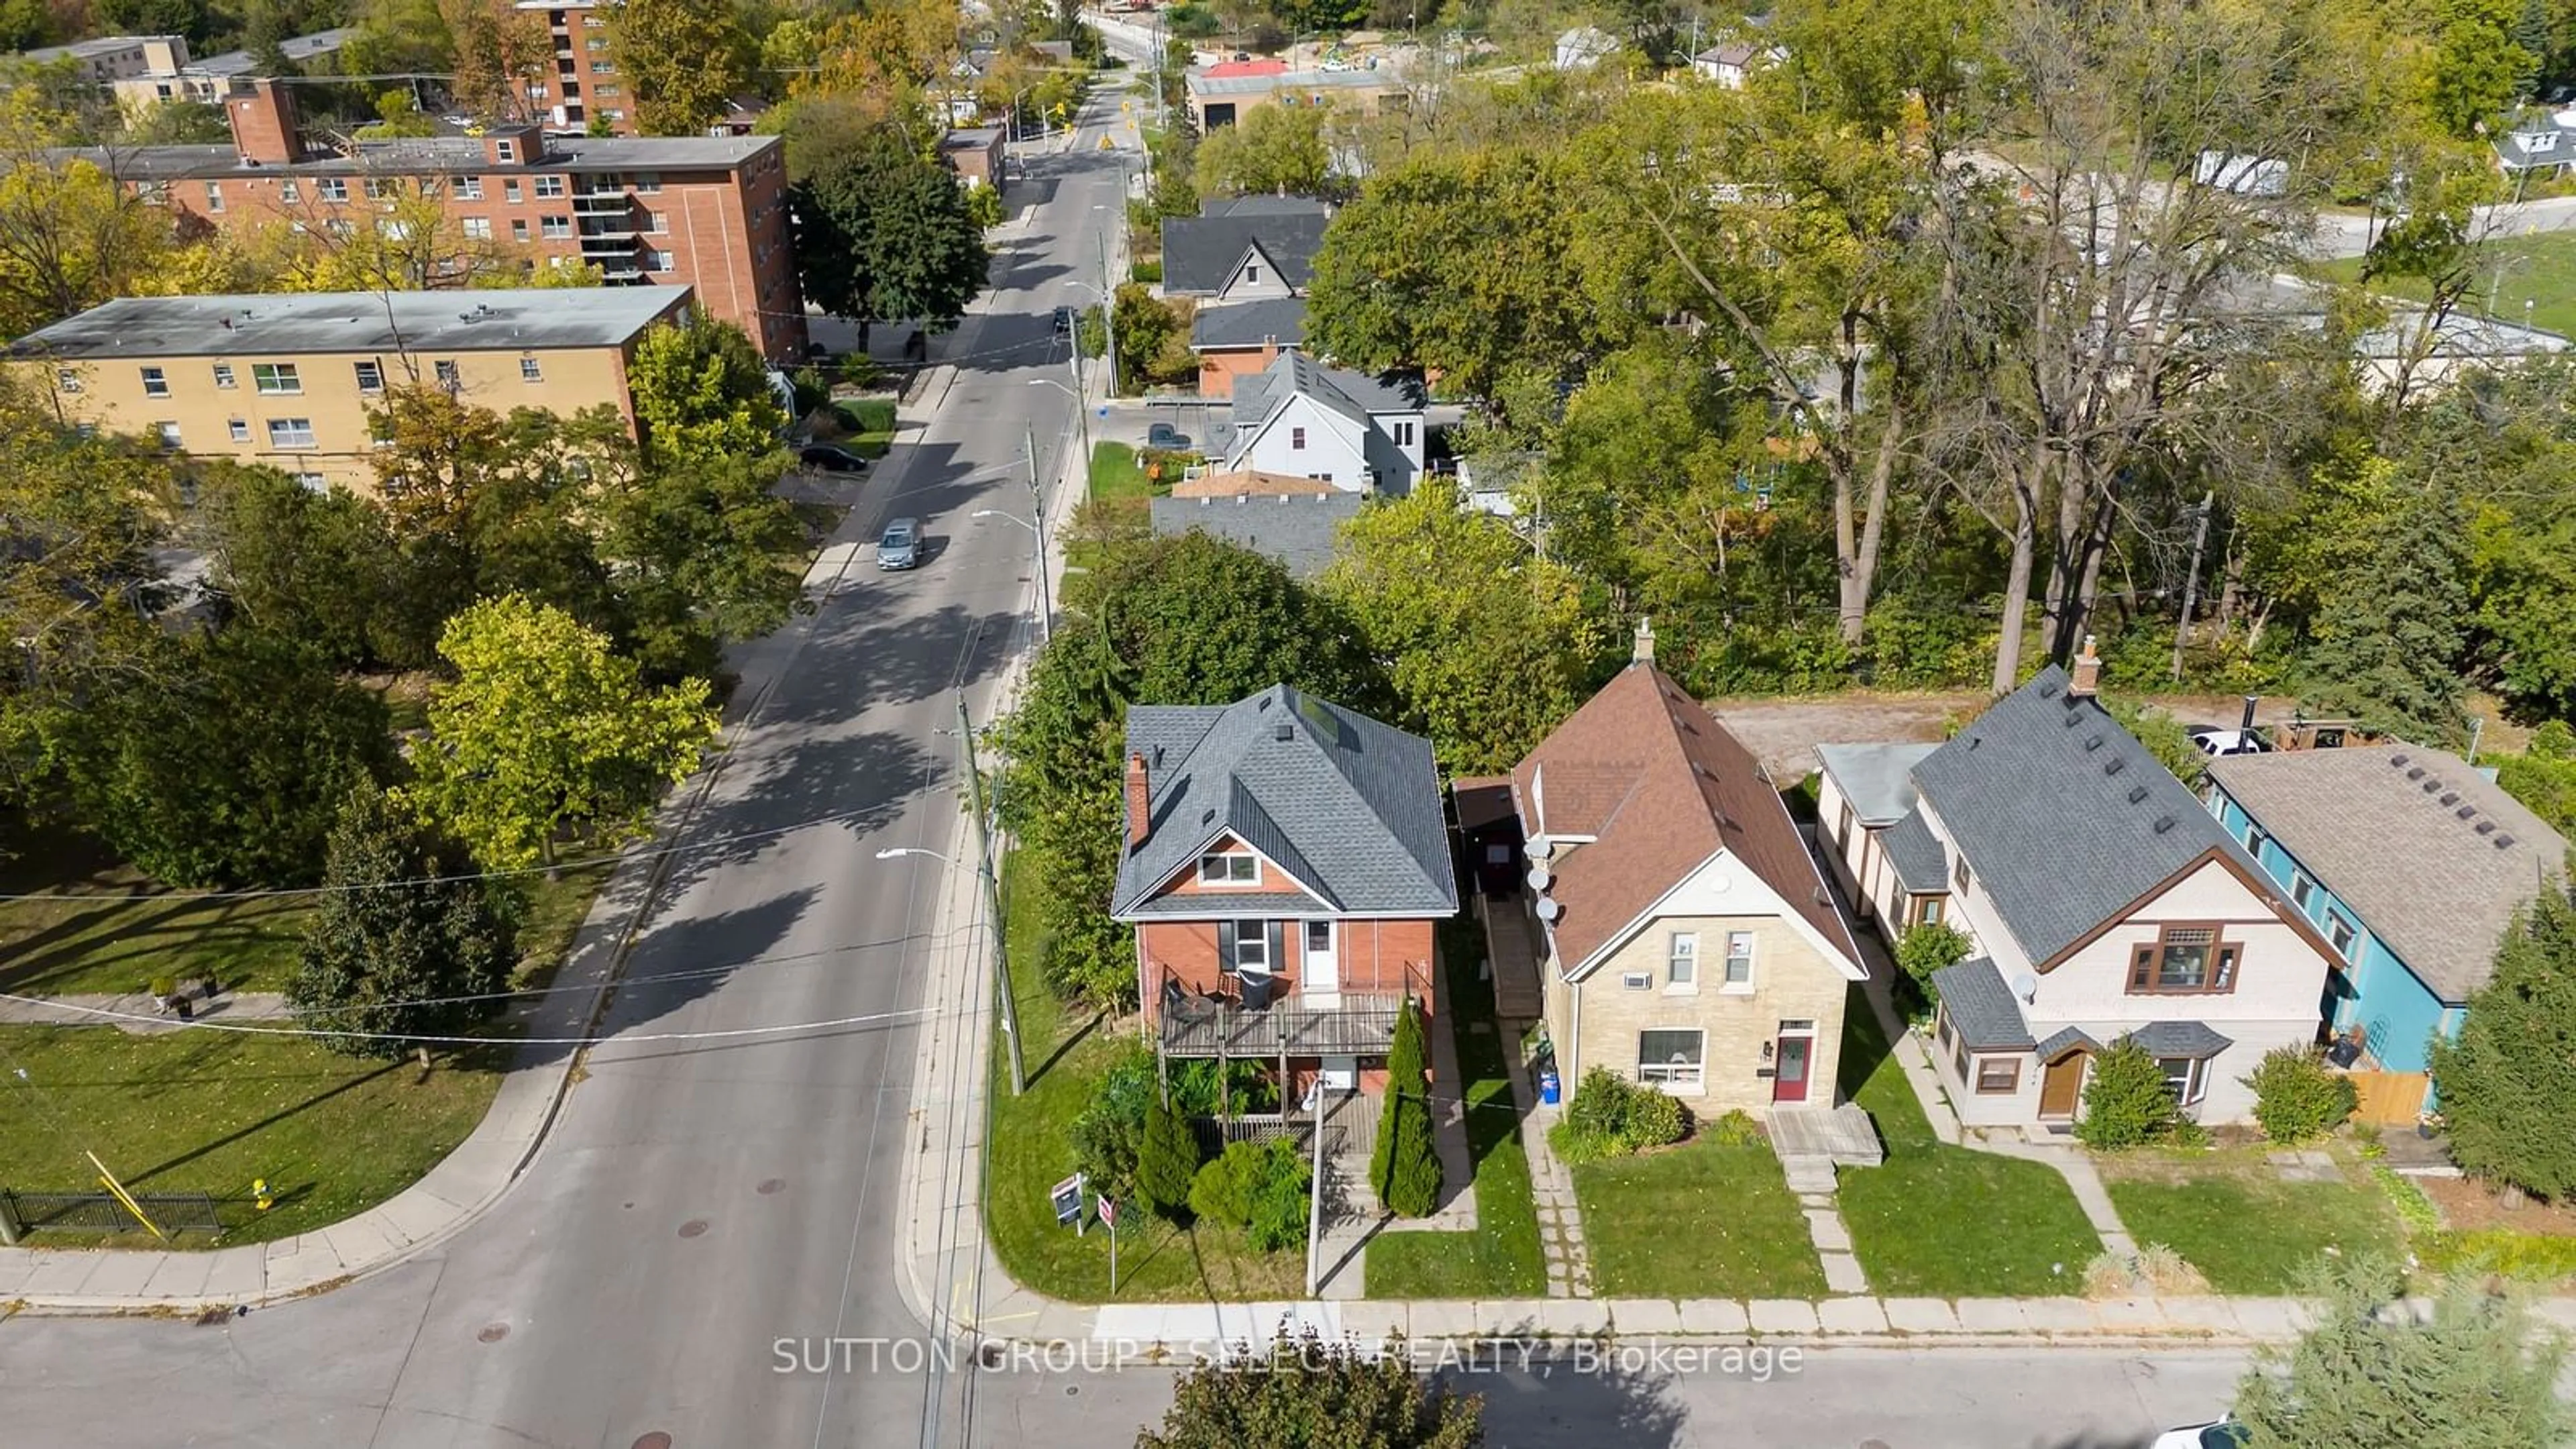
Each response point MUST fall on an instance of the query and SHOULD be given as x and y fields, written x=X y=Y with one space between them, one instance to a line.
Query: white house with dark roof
x=2102 y=901
x=1307 y=420
x=2413 y=865
x=1881 y=853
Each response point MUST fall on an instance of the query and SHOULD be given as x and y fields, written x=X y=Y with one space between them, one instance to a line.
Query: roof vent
x=1283 y=731
x=2503 y=842
x=2115 y=764
x=2092 y=743
x=2164 y=823
x=2074 y=717
x=2047 y=689
x=2399 y=759
x=2486 y=827
x=2415 y=774
x=1262 y=705
x=2433 y=784
x=2137 y=793
x=2467 y=812
x=2450 y=797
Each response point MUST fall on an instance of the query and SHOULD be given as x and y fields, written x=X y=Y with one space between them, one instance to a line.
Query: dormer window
x=1230 y=867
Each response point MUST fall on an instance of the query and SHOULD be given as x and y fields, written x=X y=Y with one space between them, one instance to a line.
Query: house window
x=2340 y=932
x=290 y=432
x=1928 y=910
x=507 y=150
x=1297 y=437
x=215 y=197
x=550 y=186
x=530 y=370
x=378 y=188
x=469 y=188
x=1672 y=1060
x=1232 y=867
x=1959 y=876
x=1959 y=1059
x=331 y=188
x=1681 y=961
x=477 y=228
x=1739 y=959
x=648 y=182
x=1252 y=276
x=67 y=379
x=555 y=228
x=156 y=383
x=240 y=430
x=2183 y=959
x=663 y=261
x=1998 y=1075
x=2302 y=890
x=2255 y=839
x=276 y=379
x=2186 y=1077
x=603 y=67
x=448 y=377
x=606 y=91
x=655 y=224
x=371 y=376
x=169 y=435
x=510 y=192
x=1404 y=435
x=1252 y=947
x=313 y=482
x=223 y=374
x=288 y=191
x=519 y=229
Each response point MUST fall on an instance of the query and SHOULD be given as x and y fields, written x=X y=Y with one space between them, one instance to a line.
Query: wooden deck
x=1841 y=1134
x=1511 y=950
x=1360 y=1024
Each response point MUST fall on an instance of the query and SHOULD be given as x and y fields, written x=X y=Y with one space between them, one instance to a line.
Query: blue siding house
x=2409 y=862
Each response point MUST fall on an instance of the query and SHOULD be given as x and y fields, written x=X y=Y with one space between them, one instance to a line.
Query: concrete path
x=138 y=1012
x=1560 y=1216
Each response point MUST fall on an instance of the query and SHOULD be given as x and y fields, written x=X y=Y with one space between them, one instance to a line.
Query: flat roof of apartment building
x=434 y=156
x=291 y=323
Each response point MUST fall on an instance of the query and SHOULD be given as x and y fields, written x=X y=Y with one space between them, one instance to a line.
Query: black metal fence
x=96 y=1212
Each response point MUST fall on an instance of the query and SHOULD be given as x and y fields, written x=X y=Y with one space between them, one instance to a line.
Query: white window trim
x=1228 y=880
x=1681 y=946
x=1258 y=938
x=2195 y=1079
x=1678 y=1081
x=1747 y=986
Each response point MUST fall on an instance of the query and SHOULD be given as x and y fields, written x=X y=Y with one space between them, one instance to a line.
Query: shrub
x=1736 y=1129
x=2530 y=1257
x=164 y=987
x=1222 y=1192
x=1929 y=946
x=1278 y=1215
x=2414 y=1209
x=984 y=206
x=1148 y=271
x=2509 y=1077
x=1404 y=1165
x=1167 y=1160
x=1611 y=1116
x=2297 y=1096
x=2126 y=1104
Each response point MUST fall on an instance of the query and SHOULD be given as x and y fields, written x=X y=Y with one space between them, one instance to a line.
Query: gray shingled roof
x=1878 y=779
x=2064 y=817
x=1355 y=395
x=1347 y=805
x=2063 y=1038
x=1250 y=324
x=1200 y=253
x=1921 y=864
x=1301 y=530
x=1981 y=1008
x=2180 y=1039
x=2434 y=856
x=1264 y=204
x=285 y=323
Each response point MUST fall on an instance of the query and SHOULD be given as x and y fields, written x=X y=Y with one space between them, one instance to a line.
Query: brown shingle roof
x=1661 y=786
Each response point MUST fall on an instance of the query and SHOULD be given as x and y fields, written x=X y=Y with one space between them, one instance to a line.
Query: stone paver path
x=1560 y=1217
x=2305 y=1166
x=139 y=1013
x=1833 y=1243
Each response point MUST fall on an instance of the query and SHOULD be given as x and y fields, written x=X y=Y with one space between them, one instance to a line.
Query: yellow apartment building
x=287 y=379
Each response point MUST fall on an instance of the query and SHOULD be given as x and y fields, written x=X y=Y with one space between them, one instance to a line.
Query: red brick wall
x=1373 y=956
x=1218 y=370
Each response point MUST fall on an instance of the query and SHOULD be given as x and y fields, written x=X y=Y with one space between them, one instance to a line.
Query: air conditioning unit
x=1637 y=980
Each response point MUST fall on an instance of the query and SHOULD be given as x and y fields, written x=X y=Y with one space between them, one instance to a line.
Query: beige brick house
x=1691 y=942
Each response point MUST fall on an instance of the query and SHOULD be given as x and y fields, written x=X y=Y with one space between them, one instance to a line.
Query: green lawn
x=1948 y=1222
x=873 y=432
x=1699 y=1221
x=2540 y=270
x=208 y=1111
x=1031 y=1150
x=1117 y=475
x=1502 y=1258
x=105 y=928
x=2232 y=1217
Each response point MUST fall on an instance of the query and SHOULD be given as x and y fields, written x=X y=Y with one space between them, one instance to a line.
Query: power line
x=414 y=1038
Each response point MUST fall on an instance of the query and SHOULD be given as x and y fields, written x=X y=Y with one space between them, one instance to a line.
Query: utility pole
x=1109 y=307
x=2191 y=581
x=992 y=894
x=1082 y=413
x=1037 y=525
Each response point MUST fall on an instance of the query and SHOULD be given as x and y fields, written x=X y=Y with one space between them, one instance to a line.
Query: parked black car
x=831 y=458
x=1164 y=435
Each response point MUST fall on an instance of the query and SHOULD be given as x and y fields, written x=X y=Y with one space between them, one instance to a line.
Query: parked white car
x=2224 y=1434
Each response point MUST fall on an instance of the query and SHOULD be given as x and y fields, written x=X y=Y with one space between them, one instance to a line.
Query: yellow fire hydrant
x=260 y=1194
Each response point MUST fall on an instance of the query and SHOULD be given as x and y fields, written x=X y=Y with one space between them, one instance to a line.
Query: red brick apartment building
x=706 y=211
x=582 y=85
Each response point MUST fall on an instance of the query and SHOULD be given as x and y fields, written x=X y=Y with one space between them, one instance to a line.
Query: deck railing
x=1240 y=1019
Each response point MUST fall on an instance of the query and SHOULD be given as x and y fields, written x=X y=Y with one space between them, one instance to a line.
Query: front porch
x=1242 y=1019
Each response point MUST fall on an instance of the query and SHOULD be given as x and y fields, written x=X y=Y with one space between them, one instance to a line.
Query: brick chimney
x=2087 y=673
x=1140 y=802
x=263 y=121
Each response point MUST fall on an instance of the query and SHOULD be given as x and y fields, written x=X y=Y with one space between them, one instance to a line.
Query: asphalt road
x=694 y=1203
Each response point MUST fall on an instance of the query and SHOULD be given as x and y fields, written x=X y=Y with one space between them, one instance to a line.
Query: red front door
x=1789 y=1068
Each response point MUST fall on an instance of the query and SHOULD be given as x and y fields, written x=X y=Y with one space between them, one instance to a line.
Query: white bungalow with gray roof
x=1285 y=863
x=1886 y=861
x=2102 y=902
x=1307 y=420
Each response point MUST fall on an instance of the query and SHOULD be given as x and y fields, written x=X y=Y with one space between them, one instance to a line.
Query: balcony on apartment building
x=1249 y=1016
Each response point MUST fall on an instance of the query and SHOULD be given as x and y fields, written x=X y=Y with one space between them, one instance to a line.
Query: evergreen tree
x=2476 y=1374
x=386 y=933
x=1308 y=1393
x=2126 y=1103
x=2389 y=642
x=1167 y=1161
x=1404 y=1163
x=2508 y=1081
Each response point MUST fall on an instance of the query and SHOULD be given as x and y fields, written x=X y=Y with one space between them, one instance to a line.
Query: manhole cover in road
x=655 y=1440
x=493 y=1333
x=1072 y=1390
x=772 y=1185
x=693 y=1227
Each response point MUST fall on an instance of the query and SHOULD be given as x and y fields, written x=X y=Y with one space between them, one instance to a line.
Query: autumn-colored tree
x=682 y=59
x=500 y=50
x=70 y=237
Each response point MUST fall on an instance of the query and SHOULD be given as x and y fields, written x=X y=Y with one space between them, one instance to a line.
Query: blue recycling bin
x=1550 y=1090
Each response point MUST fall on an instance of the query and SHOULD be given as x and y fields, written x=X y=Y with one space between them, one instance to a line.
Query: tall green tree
x=705 y=556
x=393 y=950
x=1404 y=1161
x=299 y=564
x=70 y=236
x=885 y=234
x=1486 y=646
x=1272 y=150
x=2479 y=1372
x=223 y=766
x=2508 y=1080
x=2389 y=647
x=1310 y=1393
x=1167 y=1159
x=546 y=729
x=683 y=58
x=702 y=391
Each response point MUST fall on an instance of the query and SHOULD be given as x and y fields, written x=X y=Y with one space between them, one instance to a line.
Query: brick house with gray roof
x=2102 y=901
x=1285 y=863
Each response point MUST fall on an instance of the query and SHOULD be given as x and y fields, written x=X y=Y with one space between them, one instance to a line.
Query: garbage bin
x=1550 y=1091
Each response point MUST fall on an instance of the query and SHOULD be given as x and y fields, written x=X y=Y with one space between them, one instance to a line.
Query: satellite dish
x=2026 y=986
x=1549 y=910
x=1539 y=847
x=1540 y=878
